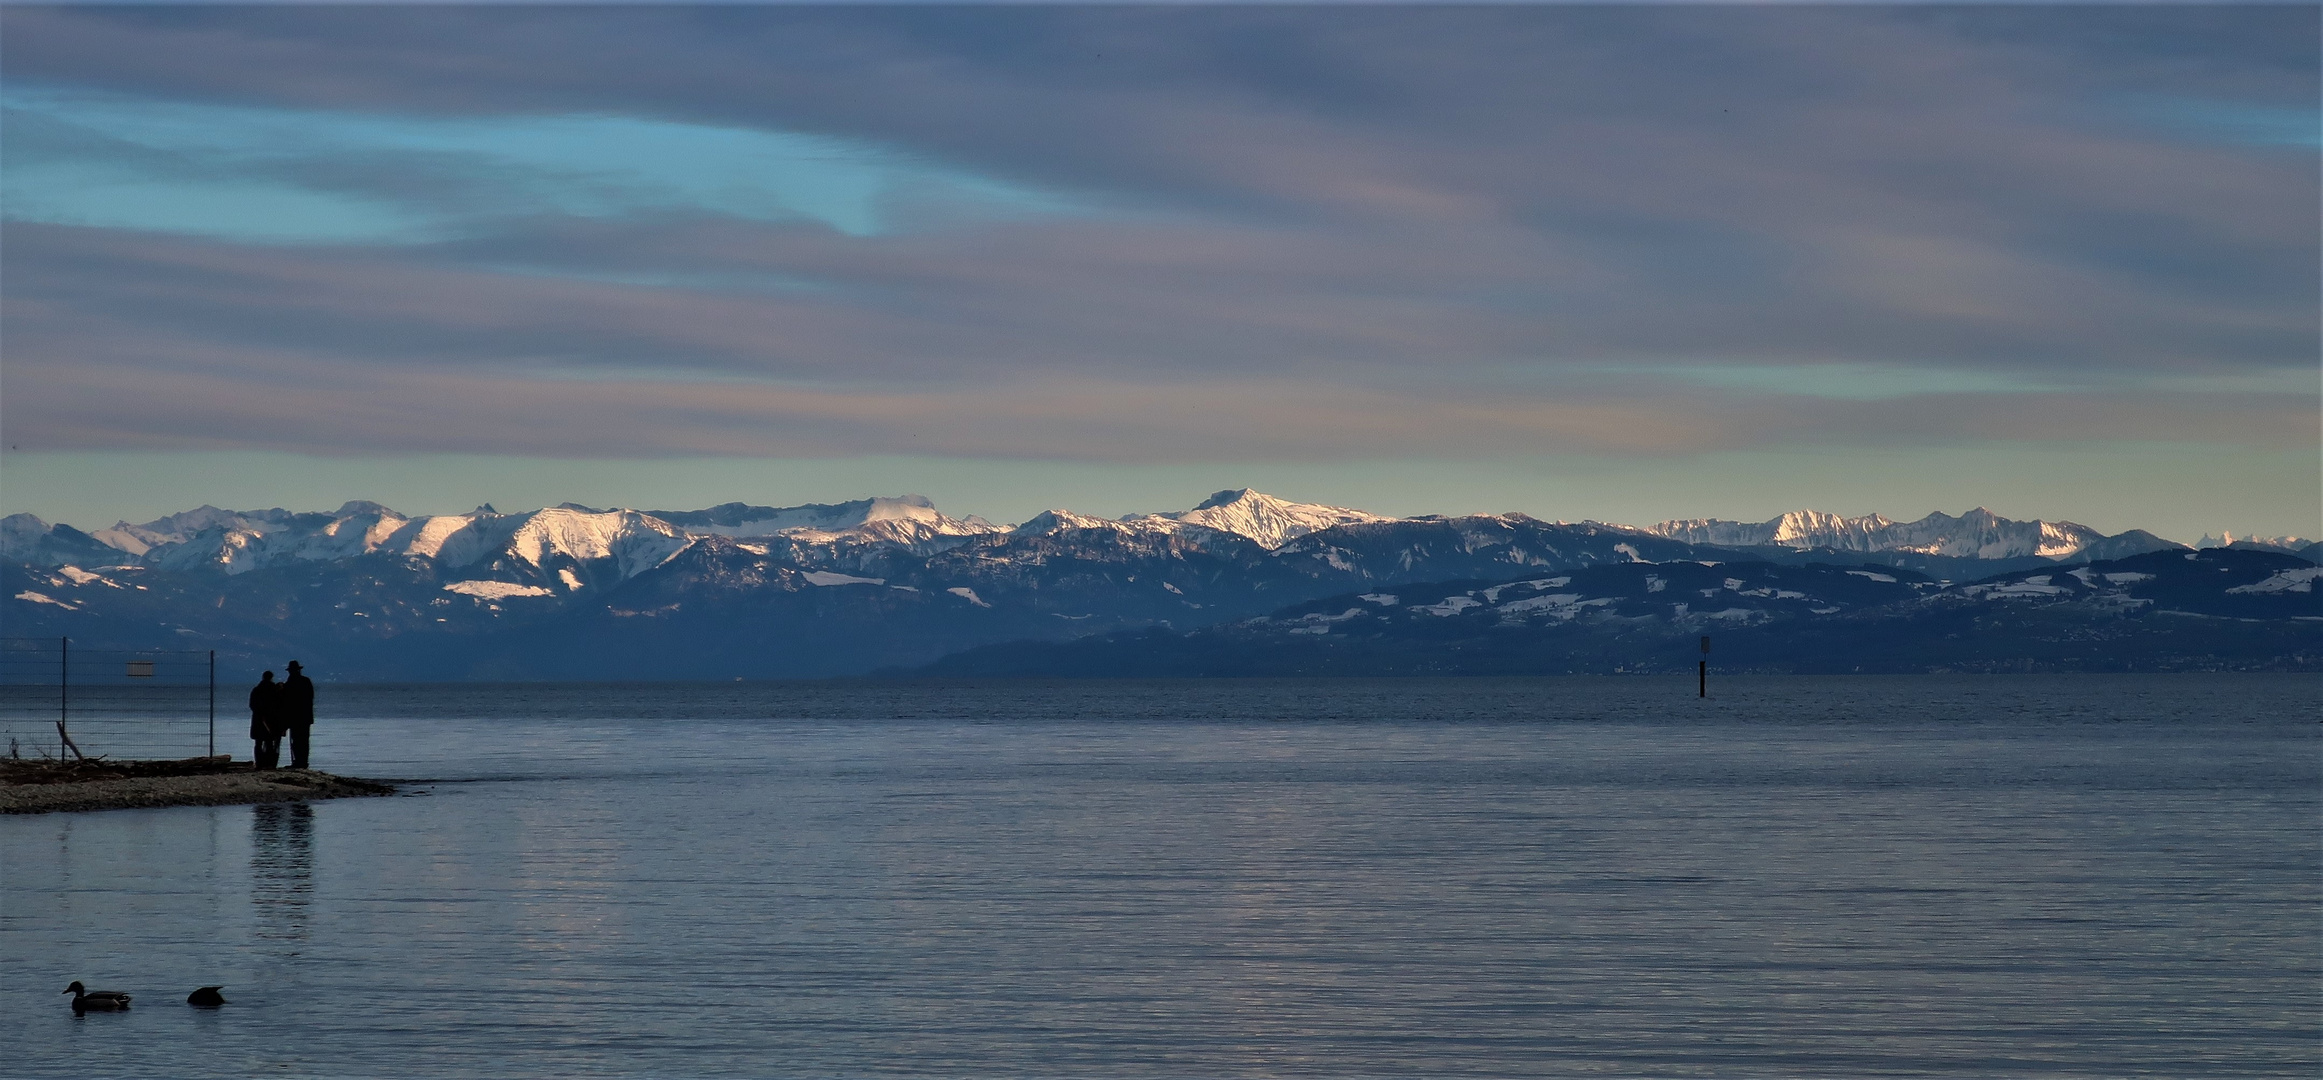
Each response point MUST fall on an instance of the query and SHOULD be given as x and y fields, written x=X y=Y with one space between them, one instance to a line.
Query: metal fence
x=60 y=700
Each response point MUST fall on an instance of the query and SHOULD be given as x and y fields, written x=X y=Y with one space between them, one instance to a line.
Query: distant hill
x=2224 y=609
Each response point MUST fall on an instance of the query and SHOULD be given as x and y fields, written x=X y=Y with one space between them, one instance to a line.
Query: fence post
x=213 y=703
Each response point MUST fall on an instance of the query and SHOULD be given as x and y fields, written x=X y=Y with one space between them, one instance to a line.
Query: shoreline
x=58 y=787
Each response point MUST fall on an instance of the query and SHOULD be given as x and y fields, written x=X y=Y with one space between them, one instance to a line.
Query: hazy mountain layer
x=2213 y=610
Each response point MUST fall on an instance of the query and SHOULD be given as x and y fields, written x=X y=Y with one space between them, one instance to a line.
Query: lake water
x=1996 y=876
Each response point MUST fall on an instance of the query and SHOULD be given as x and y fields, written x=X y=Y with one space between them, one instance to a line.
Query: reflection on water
x=282 y=868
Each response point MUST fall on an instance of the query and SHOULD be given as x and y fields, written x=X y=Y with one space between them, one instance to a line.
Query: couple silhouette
x=278 y=709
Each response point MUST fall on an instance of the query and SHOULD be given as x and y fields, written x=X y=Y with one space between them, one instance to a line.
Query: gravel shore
x=49 y=787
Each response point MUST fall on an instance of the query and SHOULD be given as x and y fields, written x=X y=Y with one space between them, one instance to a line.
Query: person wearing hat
x=298 y=712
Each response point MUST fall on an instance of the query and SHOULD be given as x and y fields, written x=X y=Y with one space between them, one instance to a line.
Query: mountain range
x=740 y=590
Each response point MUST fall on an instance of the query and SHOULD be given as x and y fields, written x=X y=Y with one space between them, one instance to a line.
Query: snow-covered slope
x=1058 y=522
x=183 y=527
x=1270 y=521
x=568 y=546
x=1048 y=522
x=1977 y=534
x=1798 y=529
x=631 y=542
x=1052 y=521
x=616 y=544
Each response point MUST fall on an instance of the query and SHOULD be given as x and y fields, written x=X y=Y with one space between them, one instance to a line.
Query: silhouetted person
x=266 y=722
x=298 y=713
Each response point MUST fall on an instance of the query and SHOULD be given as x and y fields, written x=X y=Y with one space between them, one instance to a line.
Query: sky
x=1584 y=262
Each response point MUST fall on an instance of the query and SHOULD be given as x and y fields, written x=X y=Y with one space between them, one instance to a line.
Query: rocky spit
x=44 y=787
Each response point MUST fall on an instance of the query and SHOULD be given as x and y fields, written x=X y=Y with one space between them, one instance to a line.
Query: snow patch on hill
x=825 y=577
x=494 y=590
x=2301 y=579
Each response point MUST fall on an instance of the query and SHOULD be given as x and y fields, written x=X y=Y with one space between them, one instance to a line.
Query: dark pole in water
x=64 y=698
x=1702 y=671
x=213 y=703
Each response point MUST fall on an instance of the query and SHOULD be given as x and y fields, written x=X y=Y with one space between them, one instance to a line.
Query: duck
x=87 y=1000
x=206 y=998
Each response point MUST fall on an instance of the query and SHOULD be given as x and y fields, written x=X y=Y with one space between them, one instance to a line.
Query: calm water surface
x=2000 y=876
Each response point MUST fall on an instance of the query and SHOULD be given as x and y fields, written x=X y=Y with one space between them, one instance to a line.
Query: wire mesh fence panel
x=61 y=700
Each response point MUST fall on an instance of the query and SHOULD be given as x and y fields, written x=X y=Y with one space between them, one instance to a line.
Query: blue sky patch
x=296 y=175
x=2236 y=123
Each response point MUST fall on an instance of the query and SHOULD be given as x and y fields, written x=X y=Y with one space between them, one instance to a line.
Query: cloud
x=174 y=343
x=1151 y=233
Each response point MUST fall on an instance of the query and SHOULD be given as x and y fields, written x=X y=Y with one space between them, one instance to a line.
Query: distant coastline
x=46 y=787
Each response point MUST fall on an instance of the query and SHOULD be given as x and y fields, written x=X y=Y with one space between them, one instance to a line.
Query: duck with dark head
x=87 y=1000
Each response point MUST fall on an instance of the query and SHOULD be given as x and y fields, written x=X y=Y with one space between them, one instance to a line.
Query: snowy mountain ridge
x=1977 y=534
x=570 y=545
x=623 y=542
x=573 y=591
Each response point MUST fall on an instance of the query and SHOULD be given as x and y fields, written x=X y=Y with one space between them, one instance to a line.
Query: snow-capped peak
x=1050 y=521
x=2228 y=539
x=21 y=529
x=1270 y=521
x=181 y=527
x=640 y=541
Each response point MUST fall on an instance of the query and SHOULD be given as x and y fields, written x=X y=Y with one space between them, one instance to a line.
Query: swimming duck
x=85 y=999
x=206 y=998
